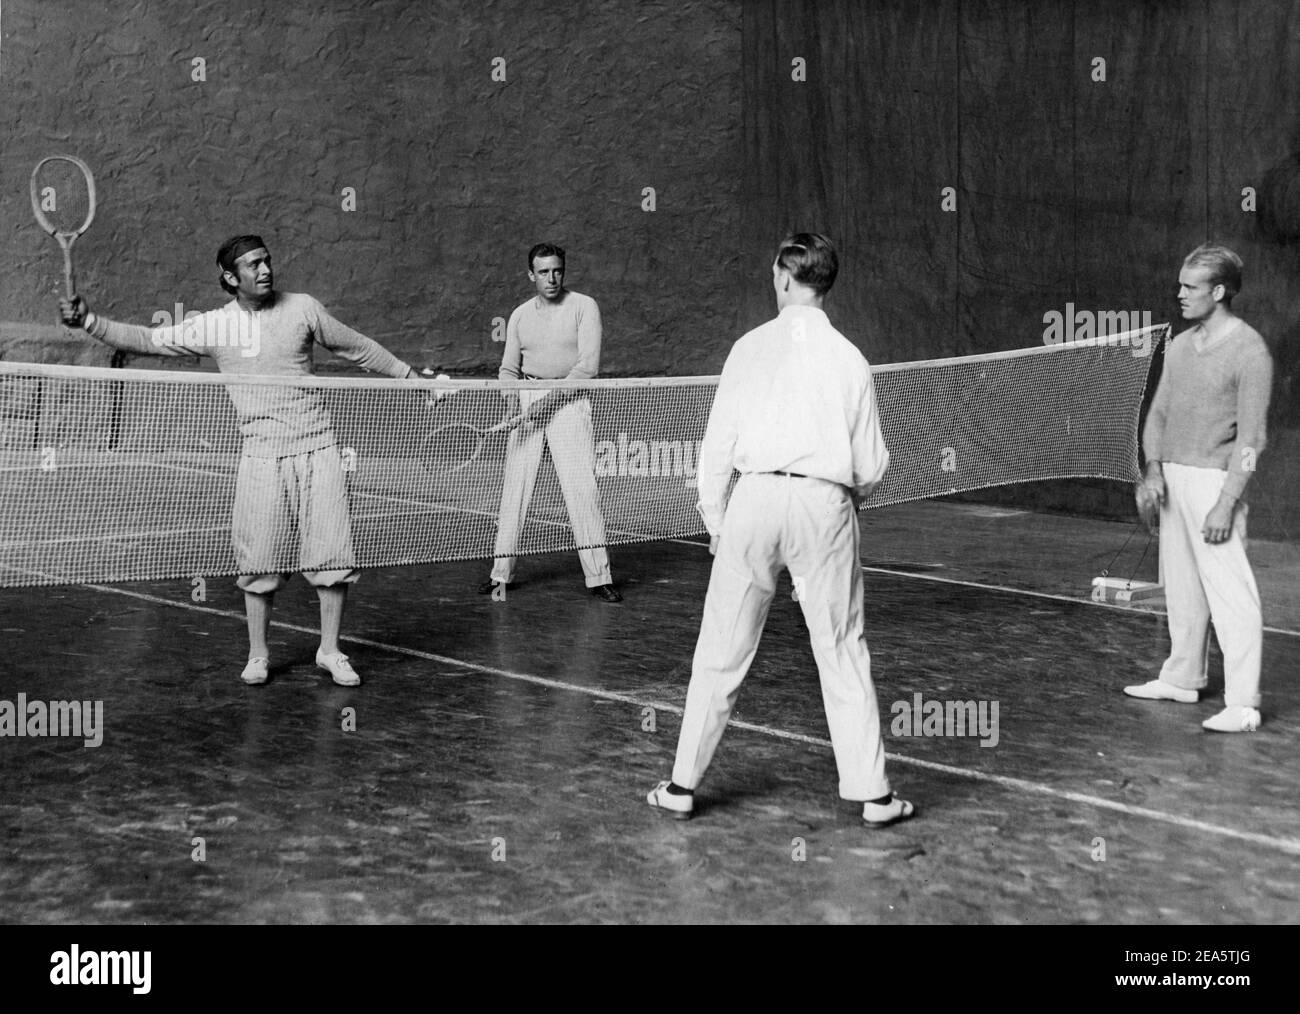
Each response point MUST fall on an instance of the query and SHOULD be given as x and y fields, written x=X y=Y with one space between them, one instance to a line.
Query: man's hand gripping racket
x=457 y=443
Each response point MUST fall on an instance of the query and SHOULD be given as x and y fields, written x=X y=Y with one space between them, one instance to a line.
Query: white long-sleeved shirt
x=795 y=396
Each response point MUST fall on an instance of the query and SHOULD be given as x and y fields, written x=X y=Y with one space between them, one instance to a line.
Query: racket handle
x=508 y=424
x=69 y=280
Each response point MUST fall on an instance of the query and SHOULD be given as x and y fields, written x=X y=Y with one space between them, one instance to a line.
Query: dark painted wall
x=1067 y=189
x=456 y=174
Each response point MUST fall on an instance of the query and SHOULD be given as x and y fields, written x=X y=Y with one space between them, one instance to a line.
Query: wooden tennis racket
x=63 y=199
x=455 y=445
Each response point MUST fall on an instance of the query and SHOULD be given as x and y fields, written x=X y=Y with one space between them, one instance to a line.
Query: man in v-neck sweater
x=1203 y=437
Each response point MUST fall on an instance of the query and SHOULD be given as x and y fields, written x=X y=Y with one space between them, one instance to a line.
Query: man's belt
x=800 y=475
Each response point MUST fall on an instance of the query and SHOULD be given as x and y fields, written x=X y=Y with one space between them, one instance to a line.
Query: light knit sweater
x=553 y=341
x=1211 y=408
x=274 y=341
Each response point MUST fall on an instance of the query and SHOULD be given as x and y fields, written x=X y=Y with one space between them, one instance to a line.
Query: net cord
x=191 y=377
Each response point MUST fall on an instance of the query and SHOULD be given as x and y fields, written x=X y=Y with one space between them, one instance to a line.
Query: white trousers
x=1205 y=583
x=568 y=434
x=809 y=527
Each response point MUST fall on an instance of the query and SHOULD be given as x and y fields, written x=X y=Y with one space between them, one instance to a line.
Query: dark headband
x=234 y=248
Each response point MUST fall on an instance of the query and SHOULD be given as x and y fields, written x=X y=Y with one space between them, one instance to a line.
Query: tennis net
x=119 y=475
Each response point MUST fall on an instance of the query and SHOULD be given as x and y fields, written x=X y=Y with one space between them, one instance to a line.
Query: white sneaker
x=1233 y=719
x=680 y=807
x=884 y=814
x=255 y=671
x=1159 y=690
x=338 y=666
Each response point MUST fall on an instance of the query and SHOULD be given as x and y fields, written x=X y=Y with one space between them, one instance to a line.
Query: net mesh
x=116 y=475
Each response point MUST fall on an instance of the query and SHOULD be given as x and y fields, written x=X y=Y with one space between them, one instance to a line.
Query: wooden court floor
x=502 y=751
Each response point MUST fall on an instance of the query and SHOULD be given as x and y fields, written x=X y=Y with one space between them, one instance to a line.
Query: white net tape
x=118 y=475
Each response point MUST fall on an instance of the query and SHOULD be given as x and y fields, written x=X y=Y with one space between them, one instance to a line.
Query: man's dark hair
x=811 y=260
x=1225 y=267
x=545 y=250
x=230 y=251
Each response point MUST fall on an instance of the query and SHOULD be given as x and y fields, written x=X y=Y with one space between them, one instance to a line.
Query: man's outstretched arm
x=145 y=341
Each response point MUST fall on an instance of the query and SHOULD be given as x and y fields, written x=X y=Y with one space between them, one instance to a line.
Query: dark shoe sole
x=675 y=814
x=909 y=811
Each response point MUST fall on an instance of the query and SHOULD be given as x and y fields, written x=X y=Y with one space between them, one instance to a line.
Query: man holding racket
x=796 y=415
x=555 y=335
x=290 y=472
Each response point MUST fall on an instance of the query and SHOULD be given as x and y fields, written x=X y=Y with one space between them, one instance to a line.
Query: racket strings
x=451 y=446
x=62 y=196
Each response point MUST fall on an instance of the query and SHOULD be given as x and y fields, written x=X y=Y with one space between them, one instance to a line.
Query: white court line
x=1288 y=845
x=1086 y=601
x=636 y=536
x=171 y=532
x=424 y=507
x=434 y=507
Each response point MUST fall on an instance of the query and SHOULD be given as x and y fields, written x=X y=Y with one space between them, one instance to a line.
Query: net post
x=37 y=412
x=116 y=362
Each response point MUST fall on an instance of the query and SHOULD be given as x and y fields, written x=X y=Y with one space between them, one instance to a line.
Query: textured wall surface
x=1067 y=188
x=455 y=174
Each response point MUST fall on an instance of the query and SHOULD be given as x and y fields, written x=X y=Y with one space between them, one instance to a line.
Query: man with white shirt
x=1202 y=441
x=796 y=415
